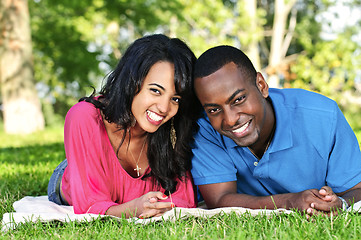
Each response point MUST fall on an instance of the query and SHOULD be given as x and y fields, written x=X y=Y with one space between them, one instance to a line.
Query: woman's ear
x=262 y=85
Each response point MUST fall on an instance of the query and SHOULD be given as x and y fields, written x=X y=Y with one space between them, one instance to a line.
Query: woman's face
x=157 y=101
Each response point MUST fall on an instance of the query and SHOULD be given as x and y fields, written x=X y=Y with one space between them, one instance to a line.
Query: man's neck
x=258 y=149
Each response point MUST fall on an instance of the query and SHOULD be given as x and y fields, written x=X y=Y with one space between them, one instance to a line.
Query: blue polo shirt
x=313 y=146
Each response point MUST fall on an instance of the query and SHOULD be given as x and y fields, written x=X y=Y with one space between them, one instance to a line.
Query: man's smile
x=242 y=129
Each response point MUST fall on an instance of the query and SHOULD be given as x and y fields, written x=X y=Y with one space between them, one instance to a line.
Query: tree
x=76 y=43
x=280 y=41
x=21 y=106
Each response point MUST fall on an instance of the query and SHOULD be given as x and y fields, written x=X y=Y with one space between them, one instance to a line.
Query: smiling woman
x=118 y=144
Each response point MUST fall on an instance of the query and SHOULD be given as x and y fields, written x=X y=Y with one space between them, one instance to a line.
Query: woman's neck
x=136 y=132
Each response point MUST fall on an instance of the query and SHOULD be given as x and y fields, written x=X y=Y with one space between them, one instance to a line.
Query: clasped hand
x=316 y=202
x=150 y=205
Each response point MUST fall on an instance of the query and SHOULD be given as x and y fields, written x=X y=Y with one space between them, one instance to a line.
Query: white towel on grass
x=33 y=209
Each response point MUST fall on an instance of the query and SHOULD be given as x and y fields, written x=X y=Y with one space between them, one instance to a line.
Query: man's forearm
x=255 y=202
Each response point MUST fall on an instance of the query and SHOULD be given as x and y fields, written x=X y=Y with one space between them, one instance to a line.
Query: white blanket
x=33 y=209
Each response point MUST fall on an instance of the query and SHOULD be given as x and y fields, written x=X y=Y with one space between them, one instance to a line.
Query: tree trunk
x=252 y=50
x=21 y=106
x=282 y=10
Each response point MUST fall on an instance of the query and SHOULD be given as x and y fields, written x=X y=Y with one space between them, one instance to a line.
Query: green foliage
x=76 y=43
x=201 y=27
x=330 y=68
x=308 y=30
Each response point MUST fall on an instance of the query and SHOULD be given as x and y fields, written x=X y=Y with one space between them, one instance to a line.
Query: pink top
x=94 y=179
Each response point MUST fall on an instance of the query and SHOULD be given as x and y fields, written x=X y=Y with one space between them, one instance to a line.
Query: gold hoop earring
x=173 y=134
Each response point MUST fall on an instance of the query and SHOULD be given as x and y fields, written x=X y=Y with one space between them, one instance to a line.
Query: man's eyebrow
x=233 y=95
x=210 y=105
x=155 y=84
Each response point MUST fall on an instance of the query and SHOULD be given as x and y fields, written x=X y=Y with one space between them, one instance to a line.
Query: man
x=269 y=148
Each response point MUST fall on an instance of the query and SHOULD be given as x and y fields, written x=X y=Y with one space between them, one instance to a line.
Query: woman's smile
x=154 y=118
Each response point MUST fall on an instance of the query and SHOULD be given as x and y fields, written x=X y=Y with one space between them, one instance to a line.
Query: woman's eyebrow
x=155 y=84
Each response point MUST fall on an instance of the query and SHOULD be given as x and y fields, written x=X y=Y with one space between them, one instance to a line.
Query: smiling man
x=259 y=147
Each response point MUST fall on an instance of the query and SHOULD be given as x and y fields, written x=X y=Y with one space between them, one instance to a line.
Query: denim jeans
x=54 y=194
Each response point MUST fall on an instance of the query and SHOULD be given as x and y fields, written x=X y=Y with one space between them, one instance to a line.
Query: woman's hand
x=148 y=205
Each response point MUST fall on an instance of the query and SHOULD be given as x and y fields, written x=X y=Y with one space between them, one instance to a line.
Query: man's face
x=236 y=105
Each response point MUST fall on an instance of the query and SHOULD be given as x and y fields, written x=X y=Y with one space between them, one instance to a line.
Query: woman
x=128 y=149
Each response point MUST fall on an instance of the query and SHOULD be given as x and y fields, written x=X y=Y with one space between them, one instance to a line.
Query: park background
x=53 y=51
x=50 y=57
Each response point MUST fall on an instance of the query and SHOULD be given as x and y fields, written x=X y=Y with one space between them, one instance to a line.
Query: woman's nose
x=163 y=105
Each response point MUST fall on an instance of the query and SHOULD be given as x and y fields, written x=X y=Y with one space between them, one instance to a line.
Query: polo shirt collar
x=283 y=134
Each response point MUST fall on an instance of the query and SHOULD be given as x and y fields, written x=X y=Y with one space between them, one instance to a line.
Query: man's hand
x=300 y=201
x=330 y=203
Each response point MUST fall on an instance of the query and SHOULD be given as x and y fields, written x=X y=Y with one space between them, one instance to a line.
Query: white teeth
x=154 y=116
x=241 y=129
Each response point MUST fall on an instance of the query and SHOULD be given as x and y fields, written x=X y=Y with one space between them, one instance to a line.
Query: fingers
x=153 y=200
x=326 y=193
x=314 y=212
x=153 y=206
x=155 y=196
x=327 y=206
x=155 y=209
x=321 y=201
x=330 y=201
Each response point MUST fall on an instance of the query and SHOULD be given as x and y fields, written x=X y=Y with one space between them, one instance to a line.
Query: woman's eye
x=176 y=99
x=155 y=90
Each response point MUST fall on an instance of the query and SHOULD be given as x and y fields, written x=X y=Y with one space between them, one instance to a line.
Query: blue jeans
x=54 y=194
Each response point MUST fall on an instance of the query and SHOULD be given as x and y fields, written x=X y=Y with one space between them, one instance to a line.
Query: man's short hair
x=215 y=58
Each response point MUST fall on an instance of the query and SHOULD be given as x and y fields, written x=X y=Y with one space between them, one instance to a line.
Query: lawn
x=26 y=163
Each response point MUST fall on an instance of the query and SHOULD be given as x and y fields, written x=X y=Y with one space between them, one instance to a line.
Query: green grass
x=27 y=162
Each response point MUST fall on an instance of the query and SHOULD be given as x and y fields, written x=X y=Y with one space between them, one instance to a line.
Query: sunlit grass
x=26 y=164
x=231 y=226
x=48 y=136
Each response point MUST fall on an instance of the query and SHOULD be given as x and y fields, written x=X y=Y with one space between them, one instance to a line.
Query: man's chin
x=243 y=142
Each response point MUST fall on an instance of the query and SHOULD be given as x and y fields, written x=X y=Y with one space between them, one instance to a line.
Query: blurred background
x=52 y=51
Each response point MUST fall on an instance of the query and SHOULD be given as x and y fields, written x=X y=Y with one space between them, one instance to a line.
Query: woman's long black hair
x=125 y=81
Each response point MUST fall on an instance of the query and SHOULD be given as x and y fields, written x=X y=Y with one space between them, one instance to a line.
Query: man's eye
x=238 y=100
x=213 y=110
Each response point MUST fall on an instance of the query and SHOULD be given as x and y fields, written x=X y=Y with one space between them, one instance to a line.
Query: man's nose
x=230 y=117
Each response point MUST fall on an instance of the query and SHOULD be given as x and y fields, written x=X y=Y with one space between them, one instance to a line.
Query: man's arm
x=225 y=195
